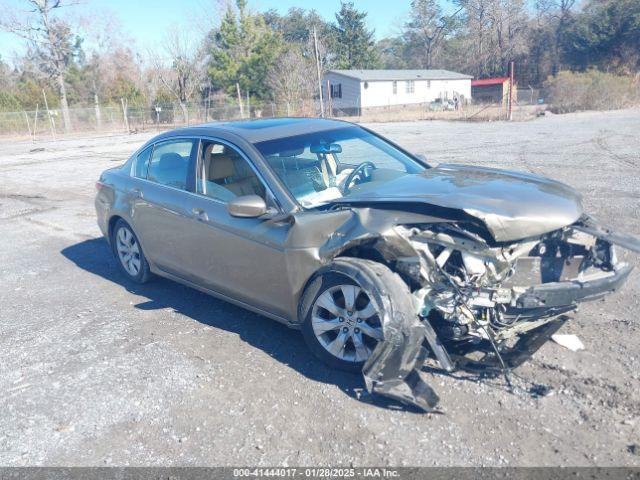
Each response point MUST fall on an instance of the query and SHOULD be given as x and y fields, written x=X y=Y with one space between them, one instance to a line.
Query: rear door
x=162 y=217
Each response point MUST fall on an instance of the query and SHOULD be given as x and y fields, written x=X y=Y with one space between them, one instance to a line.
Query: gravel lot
x=97 y=371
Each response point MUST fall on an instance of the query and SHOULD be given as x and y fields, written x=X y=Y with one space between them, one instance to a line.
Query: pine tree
x=353 y=43
x=243 y=49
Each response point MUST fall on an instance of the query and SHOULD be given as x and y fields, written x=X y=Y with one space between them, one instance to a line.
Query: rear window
x=141 y=163
x=170 y=163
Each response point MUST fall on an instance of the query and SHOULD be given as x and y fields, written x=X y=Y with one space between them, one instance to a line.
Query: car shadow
x=278 y=341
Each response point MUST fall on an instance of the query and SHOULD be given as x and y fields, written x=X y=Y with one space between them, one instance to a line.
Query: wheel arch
x=111 y=225
x=113 y=220
x=348 y=269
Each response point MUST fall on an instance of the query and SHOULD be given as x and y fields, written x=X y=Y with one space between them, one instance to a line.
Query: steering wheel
x=355 y=173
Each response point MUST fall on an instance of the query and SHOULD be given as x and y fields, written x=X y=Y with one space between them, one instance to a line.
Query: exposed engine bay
x=502 y=300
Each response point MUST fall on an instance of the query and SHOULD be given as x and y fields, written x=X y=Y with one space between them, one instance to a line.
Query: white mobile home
x=357 y=90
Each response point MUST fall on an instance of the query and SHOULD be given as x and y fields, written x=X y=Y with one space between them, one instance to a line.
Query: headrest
x=171 y=161
x=221 y=167
x=207 y=151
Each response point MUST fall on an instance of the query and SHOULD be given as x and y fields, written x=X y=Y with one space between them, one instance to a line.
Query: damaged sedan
x=382 y=260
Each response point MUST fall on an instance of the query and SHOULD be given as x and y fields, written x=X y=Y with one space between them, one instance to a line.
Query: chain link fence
x=47 y=124
x=43 y=123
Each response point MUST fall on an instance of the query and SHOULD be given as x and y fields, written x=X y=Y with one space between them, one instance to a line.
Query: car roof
x=260 y=130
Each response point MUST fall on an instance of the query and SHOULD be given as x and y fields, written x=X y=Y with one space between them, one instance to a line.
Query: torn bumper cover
x=393 y=369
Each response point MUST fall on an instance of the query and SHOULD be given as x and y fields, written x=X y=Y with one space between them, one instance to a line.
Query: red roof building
x=491 y=90
x=483 y=82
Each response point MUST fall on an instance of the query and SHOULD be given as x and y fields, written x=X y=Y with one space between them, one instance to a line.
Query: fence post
x=97 y=109
x=26 y=117
x=35 y=123
x=511 y=67
x=240 y=100
x=46 y=105
x=125 y=104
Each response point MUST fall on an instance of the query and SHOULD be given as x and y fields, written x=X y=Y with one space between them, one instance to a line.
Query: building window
x=428 y=83
x=395 y=87
x=411 y=86
x=336 y=90
x=366 y=85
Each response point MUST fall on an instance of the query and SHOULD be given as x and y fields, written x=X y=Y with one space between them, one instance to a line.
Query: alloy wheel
x=128 y=251
x=346 y=322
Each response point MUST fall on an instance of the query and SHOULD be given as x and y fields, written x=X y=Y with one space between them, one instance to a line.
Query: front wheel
x=343 y=310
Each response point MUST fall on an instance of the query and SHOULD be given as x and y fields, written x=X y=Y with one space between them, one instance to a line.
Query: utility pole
x=315 y=45
x=329 y=100
x=511 y=68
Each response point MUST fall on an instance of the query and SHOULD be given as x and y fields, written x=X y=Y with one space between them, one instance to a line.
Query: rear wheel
x=343 y=310
x=128 y=251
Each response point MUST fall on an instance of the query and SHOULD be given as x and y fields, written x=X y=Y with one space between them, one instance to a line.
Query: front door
x=242 y=258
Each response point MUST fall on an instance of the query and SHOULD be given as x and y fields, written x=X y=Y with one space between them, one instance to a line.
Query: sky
x=145 y=21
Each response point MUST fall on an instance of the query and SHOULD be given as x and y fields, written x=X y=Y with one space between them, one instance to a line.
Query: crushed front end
x=485 y=304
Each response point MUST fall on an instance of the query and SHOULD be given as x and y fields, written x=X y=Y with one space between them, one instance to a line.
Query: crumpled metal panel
x=394 y=368
x=512 y=205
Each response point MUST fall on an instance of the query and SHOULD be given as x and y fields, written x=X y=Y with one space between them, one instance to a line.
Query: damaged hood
x=512 y=205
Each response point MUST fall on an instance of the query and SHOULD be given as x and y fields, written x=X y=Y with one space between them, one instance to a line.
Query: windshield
x=320 y=167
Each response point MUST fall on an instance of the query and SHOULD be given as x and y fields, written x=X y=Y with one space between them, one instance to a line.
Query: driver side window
x=224 y=174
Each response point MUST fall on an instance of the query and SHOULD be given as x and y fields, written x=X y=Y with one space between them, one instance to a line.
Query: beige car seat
x=229 y=170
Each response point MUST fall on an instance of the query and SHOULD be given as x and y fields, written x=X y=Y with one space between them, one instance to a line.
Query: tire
x=386 y=293
x=128 y=252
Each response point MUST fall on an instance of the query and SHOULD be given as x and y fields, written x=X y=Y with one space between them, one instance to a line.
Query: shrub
x=591 y=90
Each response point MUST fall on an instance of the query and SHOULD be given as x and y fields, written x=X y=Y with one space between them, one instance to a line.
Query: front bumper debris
x=392 y=370
x=556 y=294
x=490 y=325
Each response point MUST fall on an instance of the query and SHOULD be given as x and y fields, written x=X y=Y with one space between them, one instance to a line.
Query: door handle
x=200 y=214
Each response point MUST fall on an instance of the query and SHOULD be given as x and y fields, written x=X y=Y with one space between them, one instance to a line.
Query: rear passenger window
x=224 y=174
x=141 y=163
x=170 y=163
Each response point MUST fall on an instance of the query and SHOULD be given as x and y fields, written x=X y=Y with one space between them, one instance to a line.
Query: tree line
x=265 y=56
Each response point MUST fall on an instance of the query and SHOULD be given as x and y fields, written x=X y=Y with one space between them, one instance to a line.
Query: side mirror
x=247 y=206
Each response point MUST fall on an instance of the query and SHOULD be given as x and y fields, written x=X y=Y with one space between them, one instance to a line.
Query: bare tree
x=509 y=19
x=291 y=82
x=48 y=37
x=496 y=32
x=180 y=69
x=426 y=29
x=478 y=33
x=555 y=15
